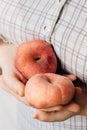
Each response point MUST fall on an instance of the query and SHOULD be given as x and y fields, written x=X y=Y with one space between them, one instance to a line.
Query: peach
x=36 y=56
x=48 y=90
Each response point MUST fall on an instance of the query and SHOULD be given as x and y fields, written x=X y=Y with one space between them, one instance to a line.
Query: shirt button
x=46 y=28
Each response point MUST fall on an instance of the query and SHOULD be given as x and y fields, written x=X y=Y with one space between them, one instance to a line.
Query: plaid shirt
x=28 y=19
x=63 y=24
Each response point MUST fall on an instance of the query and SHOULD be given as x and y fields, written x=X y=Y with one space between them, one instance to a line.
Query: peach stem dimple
x=37 y=58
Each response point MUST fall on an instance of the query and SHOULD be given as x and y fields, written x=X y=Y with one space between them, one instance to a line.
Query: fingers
x=61 y=114
x=4 y=86
x=70 y=76
x=51 y=109
x=20 y=77
x=14 y=83
x=52 y=116
x=78 y=91
x=72 y=107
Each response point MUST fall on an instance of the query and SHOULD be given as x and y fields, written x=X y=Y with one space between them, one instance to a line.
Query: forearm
x=13 y=79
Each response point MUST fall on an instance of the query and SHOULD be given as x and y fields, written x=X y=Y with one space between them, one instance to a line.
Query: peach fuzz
x=48 y=90
x=36 y=56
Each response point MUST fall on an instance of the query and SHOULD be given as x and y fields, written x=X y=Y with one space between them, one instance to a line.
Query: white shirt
x=63 y=24
x=28 y=19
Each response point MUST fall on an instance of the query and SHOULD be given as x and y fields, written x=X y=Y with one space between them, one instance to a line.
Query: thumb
x=73 y=107
x=70 y=76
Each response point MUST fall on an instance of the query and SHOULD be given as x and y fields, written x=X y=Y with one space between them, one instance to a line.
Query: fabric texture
x=70 y=38
x=28 y=19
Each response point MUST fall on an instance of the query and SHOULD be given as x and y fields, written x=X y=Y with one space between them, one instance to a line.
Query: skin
x=13 y=82
x=10 y=72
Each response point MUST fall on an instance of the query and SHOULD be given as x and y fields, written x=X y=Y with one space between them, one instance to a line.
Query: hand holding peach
x=37 y=61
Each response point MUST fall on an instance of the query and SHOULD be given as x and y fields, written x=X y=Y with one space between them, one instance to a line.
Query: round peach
x=35 y=57
x=47 y=90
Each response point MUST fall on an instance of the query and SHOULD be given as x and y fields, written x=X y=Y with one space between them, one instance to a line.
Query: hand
x=61 y=113
x=12 y=81
x=4 y=86
x=54 y=116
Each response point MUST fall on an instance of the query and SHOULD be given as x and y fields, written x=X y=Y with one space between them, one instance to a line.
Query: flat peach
x=48 y=90
x=35 y=57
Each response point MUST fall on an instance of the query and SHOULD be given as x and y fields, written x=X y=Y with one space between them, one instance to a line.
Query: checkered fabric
x=70 y=38
x=63 y=24
x=22 y=20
